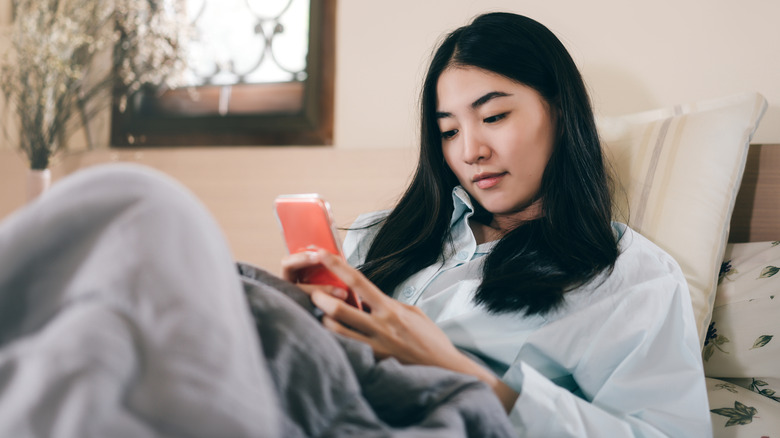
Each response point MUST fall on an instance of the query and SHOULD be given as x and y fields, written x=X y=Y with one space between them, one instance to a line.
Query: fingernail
x=339 y=293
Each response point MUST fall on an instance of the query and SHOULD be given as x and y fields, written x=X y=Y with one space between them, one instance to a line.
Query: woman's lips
x=487 y=180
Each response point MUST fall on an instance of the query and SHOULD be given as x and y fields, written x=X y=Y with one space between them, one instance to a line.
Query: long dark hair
x=533 y=265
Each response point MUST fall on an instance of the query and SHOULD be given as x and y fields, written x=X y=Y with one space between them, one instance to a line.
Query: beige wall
x=634 y=55
x=238 y=185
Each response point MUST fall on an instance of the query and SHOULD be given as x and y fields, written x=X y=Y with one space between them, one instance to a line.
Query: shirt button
x=408 y=291
x=463 y=256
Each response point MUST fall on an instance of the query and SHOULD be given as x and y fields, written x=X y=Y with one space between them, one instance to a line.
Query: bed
x=689 y=179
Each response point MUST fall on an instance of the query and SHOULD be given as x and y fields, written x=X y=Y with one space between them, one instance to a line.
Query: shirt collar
x=462 y=204
x=464 y=209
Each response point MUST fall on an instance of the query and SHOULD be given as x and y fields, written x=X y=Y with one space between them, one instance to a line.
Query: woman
x=501 y=261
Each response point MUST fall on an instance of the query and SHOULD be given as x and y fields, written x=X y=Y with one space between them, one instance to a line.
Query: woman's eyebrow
x=487 y=98
x=476 y=104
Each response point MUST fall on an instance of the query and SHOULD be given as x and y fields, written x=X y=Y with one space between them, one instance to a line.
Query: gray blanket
x=121 y=314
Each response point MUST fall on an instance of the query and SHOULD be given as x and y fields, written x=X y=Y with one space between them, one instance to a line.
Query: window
x=249 y=86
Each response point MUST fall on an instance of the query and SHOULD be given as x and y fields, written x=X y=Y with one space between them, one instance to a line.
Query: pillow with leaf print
x=742 y=346
x=743 y=338
x=738 y=412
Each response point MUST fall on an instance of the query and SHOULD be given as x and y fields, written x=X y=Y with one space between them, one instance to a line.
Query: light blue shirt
x=620 y=358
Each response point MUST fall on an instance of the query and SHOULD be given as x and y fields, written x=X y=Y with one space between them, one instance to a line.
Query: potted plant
x=67 y=57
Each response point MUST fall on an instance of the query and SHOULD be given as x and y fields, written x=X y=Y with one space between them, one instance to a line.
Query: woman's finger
x=293 y=263
x=333 y=291
x=344 y=313
x=353 y=278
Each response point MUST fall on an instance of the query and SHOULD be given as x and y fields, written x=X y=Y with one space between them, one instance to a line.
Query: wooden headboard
x=756 y=215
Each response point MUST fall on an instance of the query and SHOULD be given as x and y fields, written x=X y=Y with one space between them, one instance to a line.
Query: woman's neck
x=485 y=233
x=501 y=224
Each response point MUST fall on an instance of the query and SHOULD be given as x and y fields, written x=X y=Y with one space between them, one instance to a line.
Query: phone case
x=307 y=222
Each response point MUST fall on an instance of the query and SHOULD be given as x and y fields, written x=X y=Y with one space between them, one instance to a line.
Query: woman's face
x=497 y=137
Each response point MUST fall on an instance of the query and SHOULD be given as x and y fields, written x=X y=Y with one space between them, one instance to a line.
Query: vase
x=38 y=181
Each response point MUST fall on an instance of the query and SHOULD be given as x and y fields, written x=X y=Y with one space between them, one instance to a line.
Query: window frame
x=264 y=124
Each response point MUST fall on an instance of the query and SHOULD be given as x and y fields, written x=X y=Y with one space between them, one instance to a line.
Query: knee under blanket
x=121 y=314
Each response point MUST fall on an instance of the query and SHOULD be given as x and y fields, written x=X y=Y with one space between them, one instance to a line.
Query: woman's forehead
x=470 y=87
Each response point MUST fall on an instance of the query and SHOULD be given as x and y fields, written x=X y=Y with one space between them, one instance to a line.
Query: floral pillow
x=742 y=348
x=739 y=412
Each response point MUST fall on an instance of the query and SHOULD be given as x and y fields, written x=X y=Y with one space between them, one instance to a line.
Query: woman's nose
x=475 y=148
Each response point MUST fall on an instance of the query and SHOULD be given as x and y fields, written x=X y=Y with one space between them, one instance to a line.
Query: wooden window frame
x=294 y=113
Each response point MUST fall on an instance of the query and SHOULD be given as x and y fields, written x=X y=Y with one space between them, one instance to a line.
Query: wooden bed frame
x=756 y=215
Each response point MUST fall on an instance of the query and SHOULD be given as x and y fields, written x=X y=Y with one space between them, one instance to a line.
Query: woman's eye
x=446 y=135
x=494 y=119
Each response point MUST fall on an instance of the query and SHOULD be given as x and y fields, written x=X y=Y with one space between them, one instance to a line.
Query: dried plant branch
x=51 y=79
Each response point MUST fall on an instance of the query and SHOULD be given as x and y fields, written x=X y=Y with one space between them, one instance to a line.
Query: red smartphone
x=306 y=221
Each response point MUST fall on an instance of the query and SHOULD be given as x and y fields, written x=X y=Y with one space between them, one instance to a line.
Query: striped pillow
x=679 y=170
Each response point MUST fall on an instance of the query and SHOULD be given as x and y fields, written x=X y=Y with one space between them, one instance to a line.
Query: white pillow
x=679 y=170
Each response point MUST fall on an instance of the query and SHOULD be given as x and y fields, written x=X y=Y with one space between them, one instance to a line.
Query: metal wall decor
x=247 y=41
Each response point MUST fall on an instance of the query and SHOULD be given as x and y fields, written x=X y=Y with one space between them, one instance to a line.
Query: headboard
x=756 y=214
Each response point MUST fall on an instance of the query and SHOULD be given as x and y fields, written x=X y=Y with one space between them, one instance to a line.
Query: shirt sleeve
x=359 y=237
x=635 y=360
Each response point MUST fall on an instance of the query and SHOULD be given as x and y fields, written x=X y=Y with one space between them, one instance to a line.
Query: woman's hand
x=392 y=328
